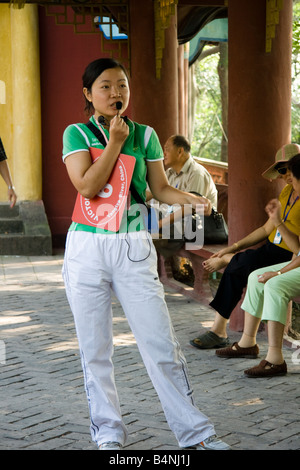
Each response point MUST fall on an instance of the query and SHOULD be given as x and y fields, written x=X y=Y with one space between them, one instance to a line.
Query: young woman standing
x=97 y=260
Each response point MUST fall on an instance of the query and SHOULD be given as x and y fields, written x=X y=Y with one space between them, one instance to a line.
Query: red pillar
x=259 y=116
x=182 y=108
x=153 y=101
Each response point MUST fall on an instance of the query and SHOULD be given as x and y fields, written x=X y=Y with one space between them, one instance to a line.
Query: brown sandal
x=266 y=369
x=236 y=351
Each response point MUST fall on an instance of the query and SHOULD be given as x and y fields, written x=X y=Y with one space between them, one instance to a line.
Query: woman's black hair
x=92 y=72
x=294 y=166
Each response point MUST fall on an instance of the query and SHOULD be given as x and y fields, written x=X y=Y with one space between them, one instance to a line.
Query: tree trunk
x=223 y=77
x=192 y=99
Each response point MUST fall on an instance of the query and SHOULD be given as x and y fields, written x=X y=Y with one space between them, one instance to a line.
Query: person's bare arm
x=273 y=210
x=90 y=178
x=163 y=192
x=5 y=173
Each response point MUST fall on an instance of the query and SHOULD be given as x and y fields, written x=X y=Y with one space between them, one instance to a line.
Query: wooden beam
x=204 y=3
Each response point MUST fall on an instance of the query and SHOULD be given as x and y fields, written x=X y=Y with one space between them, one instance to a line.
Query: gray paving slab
x=43 y=404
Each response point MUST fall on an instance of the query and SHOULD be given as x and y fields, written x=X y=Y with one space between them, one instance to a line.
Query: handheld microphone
x=102 y=120
x=119 y=106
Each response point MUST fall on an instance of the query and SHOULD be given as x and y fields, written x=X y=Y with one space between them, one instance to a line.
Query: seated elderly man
x=184 y=173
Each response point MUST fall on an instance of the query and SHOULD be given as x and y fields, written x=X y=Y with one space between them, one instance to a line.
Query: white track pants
x=94 y=264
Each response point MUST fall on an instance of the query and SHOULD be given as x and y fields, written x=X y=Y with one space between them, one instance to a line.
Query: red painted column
x=181 y=92
x=153 y=101
x=259 y=116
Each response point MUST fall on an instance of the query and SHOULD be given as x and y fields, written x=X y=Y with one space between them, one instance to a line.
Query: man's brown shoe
x=236 y=351
x=266 y=369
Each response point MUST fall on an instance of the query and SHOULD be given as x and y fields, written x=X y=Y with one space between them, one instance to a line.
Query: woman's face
x=296 y=184
x=109 y=88
x=287 y=176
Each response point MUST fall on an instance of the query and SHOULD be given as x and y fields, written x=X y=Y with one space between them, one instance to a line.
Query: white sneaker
x=110 y=446
x=211 y=443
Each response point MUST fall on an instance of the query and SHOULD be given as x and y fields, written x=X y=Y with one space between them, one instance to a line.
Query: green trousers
x=269 y=301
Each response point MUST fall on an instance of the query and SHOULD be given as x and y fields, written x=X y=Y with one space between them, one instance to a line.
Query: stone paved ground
x=42 y=399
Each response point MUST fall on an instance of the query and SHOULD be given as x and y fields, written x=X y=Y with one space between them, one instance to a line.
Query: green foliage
x=296 y=28
x=207 y=137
